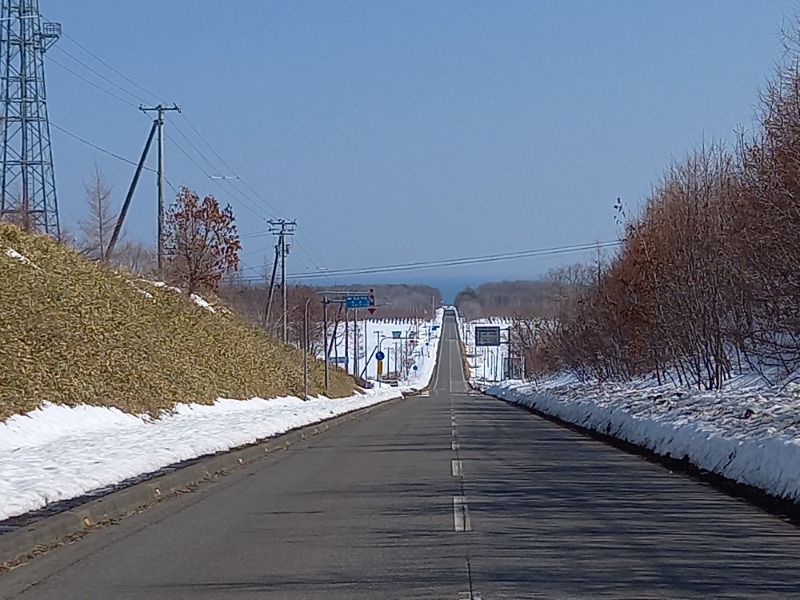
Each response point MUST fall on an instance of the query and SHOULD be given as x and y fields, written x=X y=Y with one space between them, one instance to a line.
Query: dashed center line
x=454 y=445
x=458 y=468
x=461 y=520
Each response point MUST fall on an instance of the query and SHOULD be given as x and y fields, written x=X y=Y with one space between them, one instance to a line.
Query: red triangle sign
x=371 y=310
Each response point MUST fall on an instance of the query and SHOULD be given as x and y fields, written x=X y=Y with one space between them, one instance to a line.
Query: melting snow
x=10 y=252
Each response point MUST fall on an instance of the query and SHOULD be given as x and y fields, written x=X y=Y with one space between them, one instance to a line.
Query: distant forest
x=506 y=299
x=392 y=301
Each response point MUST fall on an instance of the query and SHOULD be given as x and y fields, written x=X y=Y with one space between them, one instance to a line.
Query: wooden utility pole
x=283 y=229
x=160 y=109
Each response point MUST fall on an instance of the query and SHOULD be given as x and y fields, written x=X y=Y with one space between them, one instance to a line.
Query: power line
x=250 y=198
x=108 y=152
x=96 y=147
x=50 y=59
x=453 y=262
x=101 y=76
x=108 y=66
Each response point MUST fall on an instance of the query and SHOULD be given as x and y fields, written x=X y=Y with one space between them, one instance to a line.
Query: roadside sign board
x=380 y=367
x=339 y=360
x=434 y=327
x=397 y=334
x=380 y=355
x=487 y=336
x=359 y=301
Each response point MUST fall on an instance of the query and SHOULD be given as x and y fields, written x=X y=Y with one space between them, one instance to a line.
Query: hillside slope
x=75 y=332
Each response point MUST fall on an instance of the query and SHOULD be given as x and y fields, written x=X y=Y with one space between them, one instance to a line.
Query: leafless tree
x=97 y=227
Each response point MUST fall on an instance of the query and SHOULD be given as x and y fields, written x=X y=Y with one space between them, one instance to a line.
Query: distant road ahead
x=435 y=497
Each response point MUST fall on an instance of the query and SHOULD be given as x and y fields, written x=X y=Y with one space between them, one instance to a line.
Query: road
x=439 y=497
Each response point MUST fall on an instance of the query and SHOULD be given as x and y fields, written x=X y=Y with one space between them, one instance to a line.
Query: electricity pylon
x=27 y=182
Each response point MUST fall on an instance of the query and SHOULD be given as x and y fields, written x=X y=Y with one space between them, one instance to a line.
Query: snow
x=11 y=253
x=56 y=452
x=748 y=432
x=371 y=334
x=196 y=298
x=202 y=303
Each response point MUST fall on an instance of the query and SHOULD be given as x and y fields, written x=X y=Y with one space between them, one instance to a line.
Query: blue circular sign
x=380 y=355
x=415 y=367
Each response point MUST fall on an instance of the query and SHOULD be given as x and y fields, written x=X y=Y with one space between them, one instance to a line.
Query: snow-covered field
x=56 y=452
x=416 y=346
x=748 y=432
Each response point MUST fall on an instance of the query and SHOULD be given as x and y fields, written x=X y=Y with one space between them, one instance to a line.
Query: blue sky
x=408 y=130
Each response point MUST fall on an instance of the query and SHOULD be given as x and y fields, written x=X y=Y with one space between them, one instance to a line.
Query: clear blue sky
x=400 y=131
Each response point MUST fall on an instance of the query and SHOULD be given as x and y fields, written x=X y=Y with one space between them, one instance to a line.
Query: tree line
x=707 y=279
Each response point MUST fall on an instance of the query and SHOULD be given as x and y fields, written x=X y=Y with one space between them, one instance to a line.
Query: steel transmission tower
x=27 y=182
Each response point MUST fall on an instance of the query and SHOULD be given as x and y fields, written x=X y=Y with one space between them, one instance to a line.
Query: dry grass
x=75 y=332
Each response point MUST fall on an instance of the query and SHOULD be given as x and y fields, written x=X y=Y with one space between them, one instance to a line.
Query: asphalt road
x=436 y=497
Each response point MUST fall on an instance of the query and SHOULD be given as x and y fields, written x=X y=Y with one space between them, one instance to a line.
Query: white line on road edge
x=461 y=521
x=458 y=469
x=454 y=445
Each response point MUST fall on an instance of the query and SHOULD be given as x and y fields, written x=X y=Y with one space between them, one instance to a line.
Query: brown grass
x=75 y=332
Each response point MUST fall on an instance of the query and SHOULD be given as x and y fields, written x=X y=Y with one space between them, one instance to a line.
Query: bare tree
x=137 y=257
x=96 y=229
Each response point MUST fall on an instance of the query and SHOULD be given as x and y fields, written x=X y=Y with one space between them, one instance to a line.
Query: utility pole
x=283 y=229
x=268 y=307
x=159 y=120
x=355 y=342
x=346 y=340
x=326 y=352
x=125 y=205
x=27 y=181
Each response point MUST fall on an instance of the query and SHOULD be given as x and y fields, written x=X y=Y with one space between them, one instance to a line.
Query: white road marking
x=461 y=520
x=468 y=596
x=450 y=362
x=454 y=445
x=458 y=468
x=455 y=431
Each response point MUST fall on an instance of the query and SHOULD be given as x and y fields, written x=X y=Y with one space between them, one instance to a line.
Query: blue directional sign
x=359 y=301
x=414 y=367
x=379 y=355
x=435 y=327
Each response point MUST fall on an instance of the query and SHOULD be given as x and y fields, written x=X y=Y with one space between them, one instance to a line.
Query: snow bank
x=425 y=357
x=749 y=432
x=57 y=452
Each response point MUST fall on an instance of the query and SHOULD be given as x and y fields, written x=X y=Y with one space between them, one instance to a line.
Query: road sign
x=379 y=355
x=339 y=360
x=415 y=367
x=434 y=328
x=487 y=336
x=359 y=301
x=380 y=366
x=397 y=334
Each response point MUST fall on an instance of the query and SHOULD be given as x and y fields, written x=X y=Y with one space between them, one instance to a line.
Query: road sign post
x=487 y=336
